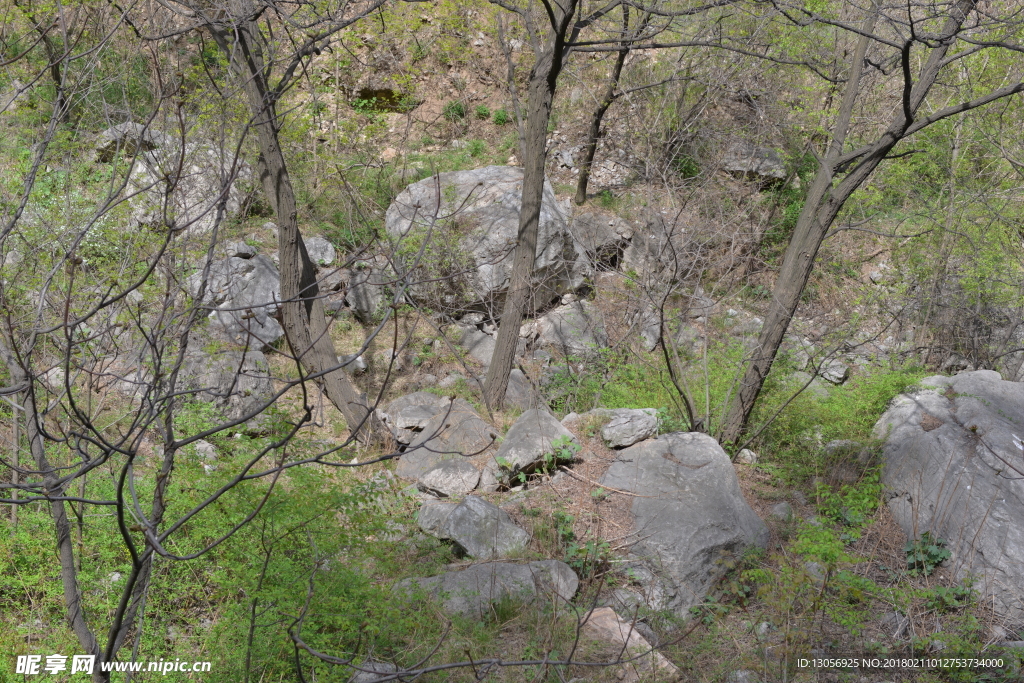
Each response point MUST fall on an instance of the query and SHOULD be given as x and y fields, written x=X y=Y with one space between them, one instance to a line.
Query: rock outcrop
x=953 y=465
x=473 y=224
x=472 y=591
x=688 y=512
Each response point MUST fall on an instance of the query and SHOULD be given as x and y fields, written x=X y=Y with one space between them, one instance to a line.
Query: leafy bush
x=502 y=117
x=482 y=112
x=925 y=554
x=454 y=111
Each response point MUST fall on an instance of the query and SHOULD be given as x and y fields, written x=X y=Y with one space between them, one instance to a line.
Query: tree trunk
x=543 y=79
x=595 y=121
x=302 y=311
x=823 y=205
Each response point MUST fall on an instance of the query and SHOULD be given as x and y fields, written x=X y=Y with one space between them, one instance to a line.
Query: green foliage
x=502 y=117
x=925 y=554
x=852 y=504
x=821 y=544
x=454 y=111
x=685 y=166
x=606 y=199
x=949 y=598
x=796 y=437
x=482 y=112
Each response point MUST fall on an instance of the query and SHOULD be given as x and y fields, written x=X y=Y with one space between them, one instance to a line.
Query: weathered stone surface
x=449 y=478
x=185 y=188
x=455 y=431
x=689 y=512
x=237 y=382
x=129 y=139
x=483 y=531
x=524 y=446
x=576 y=329
x=475 y=229
x=519 y=392
x=239 y=250
x=472 y=591
x=600 y=240
x=746 y=457
x=834 y=371
x=321 y=251
x=243 y=293
x=479 y=345
x=433 y=515
x=372 y=672
x=783 y=512
x=404 y=412
x=366 y=291
x=628 y=426
x=745 y=159
x=954 y=466
x=605 y=625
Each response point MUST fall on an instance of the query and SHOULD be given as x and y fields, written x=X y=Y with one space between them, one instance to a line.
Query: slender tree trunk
x=302 y=311
x=543 y=79
x=595 y=120
x=61 y=523
x=823 y=205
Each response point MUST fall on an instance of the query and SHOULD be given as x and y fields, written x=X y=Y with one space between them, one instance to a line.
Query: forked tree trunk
x=824 y=203
x=302 y=310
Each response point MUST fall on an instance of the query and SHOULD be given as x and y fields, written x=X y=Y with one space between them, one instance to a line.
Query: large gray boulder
x=688 y=513
x=483 y=531
x=954 y=466
x=526 y=447
x=473 y=232
x=186 y=188
x=433 y=515
x=472 y=591
x=627 y=426
x=244 y=294
x=456 y=430
x=449 y=478
x=576 y=329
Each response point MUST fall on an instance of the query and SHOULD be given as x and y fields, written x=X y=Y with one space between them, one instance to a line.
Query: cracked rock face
x=953 y=465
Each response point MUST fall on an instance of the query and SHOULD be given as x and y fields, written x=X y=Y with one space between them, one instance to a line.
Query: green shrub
x=502 y=117
x=454 y=111
x=925 y=554
x=482 y=112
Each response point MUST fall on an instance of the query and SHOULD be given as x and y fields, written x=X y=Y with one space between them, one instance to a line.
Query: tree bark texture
x=302 y=311
x=823 y=203
x=590 y=149
x=543 y=79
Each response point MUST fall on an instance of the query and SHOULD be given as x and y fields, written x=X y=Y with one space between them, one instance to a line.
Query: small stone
x=205 y=450
x=747 y=457
x=353 y=364
x=783 y=512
